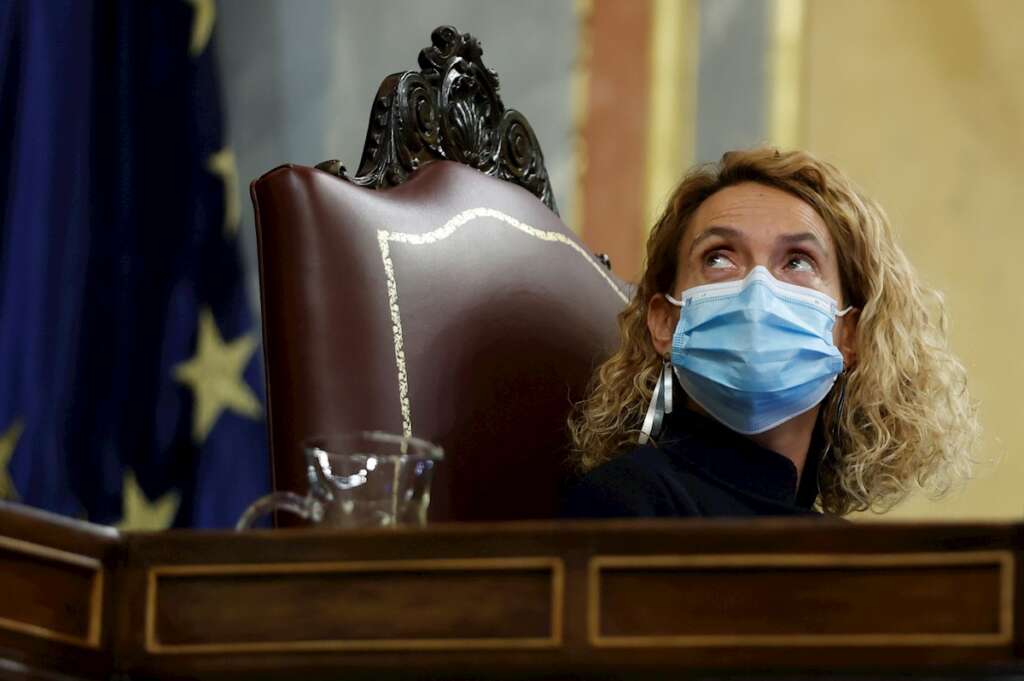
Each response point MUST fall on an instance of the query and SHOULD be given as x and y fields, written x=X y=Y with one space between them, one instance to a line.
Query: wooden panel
x=371 y=605
x=952 y=599
x=49 y=593
x=487 y=601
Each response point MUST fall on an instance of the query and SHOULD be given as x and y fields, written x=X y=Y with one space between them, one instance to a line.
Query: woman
x=779 y=355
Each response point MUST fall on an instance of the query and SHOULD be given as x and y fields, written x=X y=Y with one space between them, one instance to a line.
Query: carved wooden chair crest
x=450 y=110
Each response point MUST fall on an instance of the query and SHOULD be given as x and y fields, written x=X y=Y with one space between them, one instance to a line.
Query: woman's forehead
x=757 y=211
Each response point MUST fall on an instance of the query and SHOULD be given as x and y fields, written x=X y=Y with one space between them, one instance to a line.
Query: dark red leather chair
x=433 y=293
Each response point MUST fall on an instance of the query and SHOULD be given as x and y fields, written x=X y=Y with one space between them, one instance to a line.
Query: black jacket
x=698 y=468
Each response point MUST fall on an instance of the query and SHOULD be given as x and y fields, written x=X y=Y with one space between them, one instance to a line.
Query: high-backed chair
x=434 y=293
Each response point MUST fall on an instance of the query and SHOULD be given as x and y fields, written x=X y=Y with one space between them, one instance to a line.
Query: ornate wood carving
x=449 y=109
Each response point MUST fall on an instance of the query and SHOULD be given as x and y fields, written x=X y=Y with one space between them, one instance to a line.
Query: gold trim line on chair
x=1004 y=560
x=396 y=332
x=385 y=237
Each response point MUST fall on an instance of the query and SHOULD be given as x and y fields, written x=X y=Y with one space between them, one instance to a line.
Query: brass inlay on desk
x=768 y=600
x=379 y=605
x=73 y=594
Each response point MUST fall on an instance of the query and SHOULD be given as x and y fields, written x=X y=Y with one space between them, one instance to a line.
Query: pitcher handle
x=306 y=508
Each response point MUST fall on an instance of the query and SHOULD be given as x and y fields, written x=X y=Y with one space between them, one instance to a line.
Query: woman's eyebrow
x=803 y=237
x=724 y=232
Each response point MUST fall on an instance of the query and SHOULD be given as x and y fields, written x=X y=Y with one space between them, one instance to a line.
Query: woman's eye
x=718 y=261
x=800 y=263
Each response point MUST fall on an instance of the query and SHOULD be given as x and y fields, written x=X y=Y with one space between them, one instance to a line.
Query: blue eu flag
x=129 y=365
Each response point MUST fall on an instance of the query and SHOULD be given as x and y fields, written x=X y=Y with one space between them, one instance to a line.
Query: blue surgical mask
x=755 y=353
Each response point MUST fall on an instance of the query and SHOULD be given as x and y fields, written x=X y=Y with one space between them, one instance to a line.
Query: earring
x=660 y=405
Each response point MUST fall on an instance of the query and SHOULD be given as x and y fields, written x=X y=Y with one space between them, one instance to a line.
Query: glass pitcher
x=367 y=479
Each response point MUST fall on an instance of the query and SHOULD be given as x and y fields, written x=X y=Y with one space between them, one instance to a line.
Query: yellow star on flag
x=215 y=376
x=8 y=443
x=139 y=513
x=222 y=164
x=204 y=13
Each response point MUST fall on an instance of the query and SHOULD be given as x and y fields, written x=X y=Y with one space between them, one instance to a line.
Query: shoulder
x=635 y=484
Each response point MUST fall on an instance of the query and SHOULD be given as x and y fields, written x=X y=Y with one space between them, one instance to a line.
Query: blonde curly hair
x=908 y=419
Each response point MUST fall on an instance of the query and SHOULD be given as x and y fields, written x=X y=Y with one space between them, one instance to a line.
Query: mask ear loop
x=666 y=384
x=661 y=399
x=667 y=371
x=660 y=405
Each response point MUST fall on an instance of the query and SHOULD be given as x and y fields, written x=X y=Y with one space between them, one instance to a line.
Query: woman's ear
x=662 y=317
x=846 y=337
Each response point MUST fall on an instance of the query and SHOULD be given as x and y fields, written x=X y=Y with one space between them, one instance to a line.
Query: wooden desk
x=666 y=599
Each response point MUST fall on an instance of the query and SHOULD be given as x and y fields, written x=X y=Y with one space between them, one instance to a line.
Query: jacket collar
x=738 y=462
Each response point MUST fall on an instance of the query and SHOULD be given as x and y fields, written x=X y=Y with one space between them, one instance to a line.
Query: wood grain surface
x=587 y=600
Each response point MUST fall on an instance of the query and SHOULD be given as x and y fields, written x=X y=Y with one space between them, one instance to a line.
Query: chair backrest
x=426 y=297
